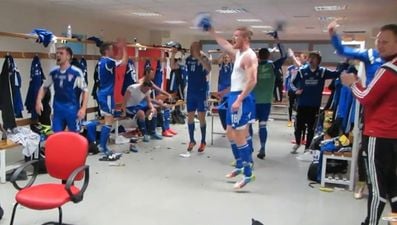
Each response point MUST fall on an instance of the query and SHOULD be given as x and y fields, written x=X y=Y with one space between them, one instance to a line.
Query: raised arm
x=225 y=44
x=296 y=61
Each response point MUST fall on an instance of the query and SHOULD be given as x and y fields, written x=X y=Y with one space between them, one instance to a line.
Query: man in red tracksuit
x=379 y=100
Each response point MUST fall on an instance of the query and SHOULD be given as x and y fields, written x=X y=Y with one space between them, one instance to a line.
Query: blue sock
x=262 y=135
x=91 y=132
x=191 y=132
x=167 y=117
x=142 y=126
x=239 y=162
x=203 y=130
x=246 y=157
x=249 y=142
x=152 y=125
x=105 y=132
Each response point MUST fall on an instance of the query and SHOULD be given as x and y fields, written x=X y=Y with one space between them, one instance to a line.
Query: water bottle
x=69 y=32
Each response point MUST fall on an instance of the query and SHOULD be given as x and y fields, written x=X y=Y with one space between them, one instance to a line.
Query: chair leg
x=60 y=215
x=13 y=213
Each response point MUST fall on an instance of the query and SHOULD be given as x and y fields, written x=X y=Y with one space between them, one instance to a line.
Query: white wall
x=23 y=19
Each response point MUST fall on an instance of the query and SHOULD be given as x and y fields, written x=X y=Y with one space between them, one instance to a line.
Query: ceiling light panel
x=249 y=20
x=175 y=21
x=262 y=27
x=146 y=14
x=226 y=10
x=329 y=8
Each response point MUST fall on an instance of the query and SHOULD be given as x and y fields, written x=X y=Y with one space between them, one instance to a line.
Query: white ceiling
x=302 y=21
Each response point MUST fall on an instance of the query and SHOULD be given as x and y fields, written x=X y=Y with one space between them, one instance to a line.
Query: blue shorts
x=196 y=103
x=243 y=116
x=65 y=118
x=106 y=104
x=262 y=111
x=133 y=110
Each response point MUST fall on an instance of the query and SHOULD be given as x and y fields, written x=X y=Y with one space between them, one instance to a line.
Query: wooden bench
x=6 y=145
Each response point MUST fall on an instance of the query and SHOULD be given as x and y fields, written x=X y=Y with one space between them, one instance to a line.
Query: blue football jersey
x=106 y=72
x=197 y=77
x=65 y=85
x=225 y=75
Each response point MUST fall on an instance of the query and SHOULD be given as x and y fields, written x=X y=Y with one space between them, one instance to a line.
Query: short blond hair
x=246 y=32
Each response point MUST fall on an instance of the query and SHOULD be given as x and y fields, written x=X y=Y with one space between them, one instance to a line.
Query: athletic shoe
x=295 y=149
x=185 y=155
x=156 y=136
x=167 y=133
x=133 y=148
x=202 y=147
x=234 y=173
x=244 y=182
x=172 y=131
x=290 y=123
x=146 y=138
x=191 y=146
x=134 y=140
x=358 y=194
x=261 y=155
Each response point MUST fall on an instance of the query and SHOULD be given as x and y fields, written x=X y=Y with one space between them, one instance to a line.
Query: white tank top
x=239 y=78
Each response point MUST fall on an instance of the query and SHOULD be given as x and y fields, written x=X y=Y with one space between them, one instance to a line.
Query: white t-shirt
x=136 y=95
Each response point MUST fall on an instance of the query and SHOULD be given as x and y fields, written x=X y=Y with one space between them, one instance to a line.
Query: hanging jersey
x=197 y=77
x=83 y=64
x=158 y=77
x=263 y=91
x=291 y=74
x=239 y=78
x=15 y=82
x=6 y=104
x=225 y=73
x=65 y=84
x=106 y=75
x=36 y=80
x=130 y=76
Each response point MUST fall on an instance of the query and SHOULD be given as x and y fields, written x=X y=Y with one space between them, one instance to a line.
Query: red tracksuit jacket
x=379 y=100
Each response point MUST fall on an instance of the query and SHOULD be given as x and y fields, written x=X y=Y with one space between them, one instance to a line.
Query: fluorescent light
x=146 y=14
x=262 y=27
x=329 y=8
x=219 y=32
x=194 y=28
x=226 y=10
x=326 y=18
x=249 y=20
x=175 y=21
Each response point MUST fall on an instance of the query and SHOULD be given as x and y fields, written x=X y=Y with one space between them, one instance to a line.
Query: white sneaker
x=295 y=148
x=185 y=155
x=121 y=140
x=306 y=157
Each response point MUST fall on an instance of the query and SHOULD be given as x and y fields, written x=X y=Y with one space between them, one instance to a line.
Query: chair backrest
x=64 y=152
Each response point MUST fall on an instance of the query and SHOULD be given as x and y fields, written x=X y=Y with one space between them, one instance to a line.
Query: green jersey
x=263 y=90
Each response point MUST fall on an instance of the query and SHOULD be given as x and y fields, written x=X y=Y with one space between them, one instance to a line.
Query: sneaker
x=295 y=149
x=185 y=155
x=202 y=147
x=358 y=194
x=191 y=146
x=244 y=182
x=289 y=123
x=307 y=156
x=261 y=155
x=134 y=140
x=146 y=138
x=172 y=131
x=133 y=148
x=234 y=173
x=167 y=133
x=156 y=136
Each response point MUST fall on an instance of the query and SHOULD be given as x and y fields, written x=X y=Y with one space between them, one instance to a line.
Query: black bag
x=177 y=117
x=1 y=212
x=312 y=171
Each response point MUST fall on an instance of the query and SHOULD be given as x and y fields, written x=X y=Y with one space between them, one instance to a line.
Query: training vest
x=263 y=90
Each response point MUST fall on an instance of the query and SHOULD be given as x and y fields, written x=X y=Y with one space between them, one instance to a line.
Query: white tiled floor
x=157 y=187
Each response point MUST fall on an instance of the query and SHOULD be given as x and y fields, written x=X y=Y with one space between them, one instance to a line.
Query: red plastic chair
x=65 y=157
